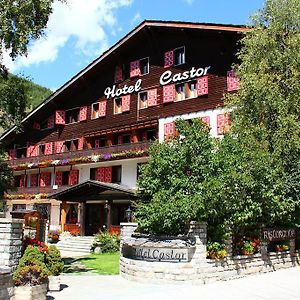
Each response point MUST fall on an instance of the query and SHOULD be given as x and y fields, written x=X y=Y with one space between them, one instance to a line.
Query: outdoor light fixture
x=128 y=214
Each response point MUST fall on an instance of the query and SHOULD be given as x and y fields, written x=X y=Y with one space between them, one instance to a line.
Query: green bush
x=32 y=254
x=216 y=250
x=54 y=261
x=107 y=242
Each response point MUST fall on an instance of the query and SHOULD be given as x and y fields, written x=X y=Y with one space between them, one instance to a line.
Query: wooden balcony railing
x=36 y=190
x=82 y=153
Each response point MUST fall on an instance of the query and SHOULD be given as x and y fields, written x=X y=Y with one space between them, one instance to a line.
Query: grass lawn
x=102 y=264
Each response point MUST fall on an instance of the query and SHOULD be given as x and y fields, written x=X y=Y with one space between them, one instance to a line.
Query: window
x=18 y=207
x=71 y=145
x=72 y=115
x=179 y=56
x=126 y=138
x=151 y=134
x=100 y=142
x=44 y=124
x=147 y=98
x=21 y=152
x=185 y=90
x=144 y=66
x=99 y=174
x=98 y=109
x=116 y=174
x=19 y=181
x=143 y=100
x=118 y=106
x=65 y=178
x=41 y=149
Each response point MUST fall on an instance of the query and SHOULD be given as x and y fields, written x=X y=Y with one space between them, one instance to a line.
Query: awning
x=94 y=190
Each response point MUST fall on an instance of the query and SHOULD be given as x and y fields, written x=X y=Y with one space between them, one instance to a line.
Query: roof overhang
x=94 y=190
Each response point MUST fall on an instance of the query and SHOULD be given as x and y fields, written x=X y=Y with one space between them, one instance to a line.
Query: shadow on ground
x=75 y=267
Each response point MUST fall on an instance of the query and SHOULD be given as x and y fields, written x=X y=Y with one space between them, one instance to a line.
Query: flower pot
x=37 y=292
x=245 y=252
x=54 y=283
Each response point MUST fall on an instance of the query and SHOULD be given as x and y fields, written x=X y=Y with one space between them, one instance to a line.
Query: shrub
x=107 y=242
x=248 y=245
x=54 y=261
x=32 y=254
x=216 y=250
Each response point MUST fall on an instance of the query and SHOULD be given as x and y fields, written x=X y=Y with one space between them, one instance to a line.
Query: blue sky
x=79 y=31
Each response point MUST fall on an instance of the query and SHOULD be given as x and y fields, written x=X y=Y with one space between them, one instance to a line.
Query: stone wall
x=198 y=269
x=6 y=285
x=10 y=242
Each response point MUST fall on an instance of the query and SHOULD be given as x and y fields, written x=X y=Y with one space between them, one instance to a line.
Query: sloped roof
x=145 y=23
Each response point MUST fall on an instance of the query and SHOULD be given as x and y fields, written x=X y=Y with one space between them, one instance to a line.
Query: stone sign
x=278 y=234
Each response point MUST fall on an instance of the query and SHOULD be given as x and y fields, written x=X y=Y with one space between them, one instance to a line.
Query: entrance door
x=93 y=218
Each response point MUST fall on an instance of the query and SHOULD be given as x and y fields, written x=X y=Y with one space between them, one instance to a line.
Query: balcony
x=36 y=190
x=75 y=157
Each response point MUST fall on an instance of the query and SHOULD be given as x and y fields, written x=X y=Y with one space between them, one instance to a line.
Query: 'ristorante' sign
x=278 y=234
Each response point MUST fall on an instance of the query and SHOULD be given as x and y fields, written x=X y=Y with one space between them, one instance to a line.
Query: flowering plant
x=248 y=245
x=216 y=250
x=282 y=247
x=43 y=248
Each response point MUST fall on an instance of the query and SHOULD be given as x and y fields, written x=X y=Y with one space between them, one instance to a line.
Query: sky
x=80 y=30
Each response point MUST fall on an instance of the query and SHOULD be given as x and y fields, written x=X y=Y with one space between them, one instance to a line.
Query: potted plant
x=53 y=236
x=55 y=266
x=281 y=247
x=31 y=276
x=248 y=246
x=216 y=250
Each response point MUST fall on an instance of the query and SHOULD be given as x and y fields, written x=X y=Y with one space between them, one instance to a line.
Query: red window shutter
x=45 y=179
x=33 y=180
x=48 y=148
x=120 y=139
x=50 y=122
x=135 y=68
x=60 y=117
x=35 y=151
x=100 y=174
x=125 y=103
x=73 y=177
x=29 y=151
x=223 y=122
x=118 y=74
x=206 y=120
x=145 y=136
x=108 y=174
x=80 y=143
x=58 y=178
x=168 y=93
x=36 y=125
x=97 y=143
x=22 y=181
x=12 y=154
x=152 y=97
x=169 y=59
x=59 y=146
x=83 y=113
x=169 y=129
x=102 y=108
x=233 y=82
x=202 y=86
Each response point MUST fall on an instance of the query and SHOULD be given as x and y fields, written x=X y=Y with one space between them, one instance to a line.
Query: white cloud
x=136 y=19
x=85 y=22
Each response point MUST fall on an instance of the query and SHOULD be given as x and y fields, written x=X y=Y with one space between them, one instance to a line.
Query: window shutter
x=59 y=146
x=202 y=86
x=58 y=178
x=100 y=174
x=36 y=125
x=97 y=143
x=206 y=120
x=145 y=136
x=48 y=148
x=22 y=181
x=223 y=122
x=83 y=113
x=102 y=108
x=169 y=59
x=73 y=177
x=32 y=151
x=60 y=117
x=50 y=122
x=233 y=82
x=169 y=129
x=12 y=154
x=152 y=97
x=45 y=179
x=125 y=103
x=120 y=139
x=108 y=174
x=80 y=143
x=118 y=74
x=33 y=180
x=168 y=93
x=135 y=68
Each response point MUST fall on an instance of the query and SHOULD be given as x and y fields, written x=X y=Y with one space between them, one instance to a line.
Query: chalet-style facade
x=78 y=155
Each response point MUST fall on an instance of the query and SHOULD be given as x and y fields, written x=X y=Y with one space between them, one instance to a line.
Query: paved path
x=279 y=285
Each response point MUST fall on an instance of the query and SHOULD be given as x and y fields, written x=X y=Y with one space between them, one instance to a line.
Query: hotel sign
x=278 y=234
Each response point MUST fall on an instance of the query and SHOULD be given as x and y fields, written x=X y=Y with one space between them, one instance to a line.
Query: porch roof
x=95 y=190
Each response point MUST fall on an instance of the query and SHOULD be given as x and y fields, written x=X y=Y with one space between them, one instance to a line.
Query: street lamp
x=128 y=214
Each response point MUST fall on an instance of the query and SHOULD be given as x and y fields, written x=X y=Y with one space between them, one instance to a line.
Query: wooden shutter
x=36 y=125
x=169 y=59
x=125 y=103
x=108 y=174
x=223 y=122
x=120 y=139
x=50 y=122
x=135 y=68
x=145 y=136
x=80 y=143
x=206 y=120
x=233 y=82
x=73 y=177
x=58 y=178
x=59 y=146
x=83 y=113
x=102 y=108
x=168 y=93
x=100 y=174
x=97 y=143
x=12 y=153
x=169 y=129
x=60 y=117
x=118 y=74
x=45 y=179
x=48 y=148
x=202 y=86
x=33 y=180
x=152 y=97
x=22 y=181
x=32 y=151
